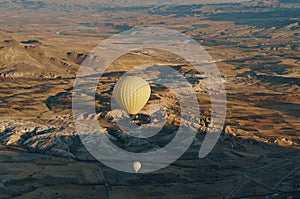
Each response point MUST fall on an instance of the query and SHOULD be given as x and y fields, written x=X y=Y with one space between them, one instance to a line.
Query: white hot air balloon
x=132 y=93
x=137 y=166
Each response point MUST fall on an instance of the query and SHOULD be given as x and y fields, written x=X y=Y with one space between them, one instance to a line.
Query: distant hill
x=98 y=5
x=31 y=59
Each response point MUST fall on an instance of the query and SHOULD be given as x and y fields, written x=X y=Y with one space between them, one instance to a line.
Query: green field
x=201 y=25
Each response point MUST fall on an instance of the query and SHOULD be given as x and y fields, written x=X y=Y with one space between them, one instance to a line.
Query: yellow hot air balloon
x=137 y=166
x=132 y=93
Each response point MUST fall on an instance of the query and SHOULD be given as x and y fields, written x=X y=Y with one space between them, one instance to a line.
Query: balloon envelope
x=132 y=93
x=137 y=166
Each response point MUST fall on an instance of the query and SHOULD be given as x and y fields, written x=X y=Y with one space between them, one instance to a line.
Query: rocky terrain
x=255 y=45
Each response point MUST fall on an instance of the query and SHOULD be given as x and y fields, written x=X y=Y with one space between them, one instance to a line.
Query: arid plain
x=255 y=45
